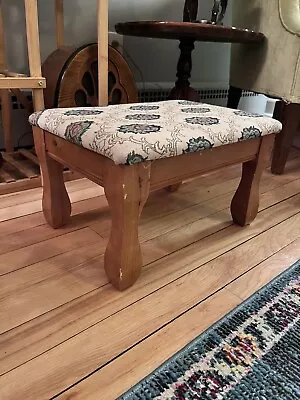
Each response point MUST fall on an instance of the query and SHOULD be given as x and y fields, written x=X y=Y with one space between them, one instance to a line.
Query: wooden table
x=188 y=33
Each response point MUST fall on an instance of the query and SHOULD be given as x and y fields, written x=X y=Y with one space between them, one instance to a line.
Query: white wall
x=156 y=58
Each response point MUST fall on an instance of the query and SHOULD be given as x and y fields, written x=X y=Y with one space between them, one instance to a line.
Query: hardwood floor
x=67 y=334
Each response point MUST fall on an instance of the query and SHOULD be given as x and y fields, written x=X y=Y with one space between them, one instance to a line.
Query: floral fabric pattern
x=134 y=158
x=142 y=117
x=250 y=133
x=242 y=113
x=187 y=103
x=35 y=118
x=195 y=110
x=143 y=107
x=202 y=120
x=139 y=129
x=78 y=112
x=76 y=130
x=133 y=133
x=198 y=144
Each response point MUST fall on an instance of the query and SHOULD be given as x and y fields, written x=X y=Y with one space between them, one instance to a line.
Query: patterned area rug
x=252 y=353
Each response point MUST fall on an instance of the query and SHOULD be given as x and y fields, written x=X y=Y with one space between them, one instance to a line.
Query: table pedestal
x=182 y=89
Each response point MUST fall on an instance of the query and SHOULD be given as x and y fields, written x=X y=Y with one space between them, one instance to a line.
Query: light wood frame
x=13 y=80
x=10 y=81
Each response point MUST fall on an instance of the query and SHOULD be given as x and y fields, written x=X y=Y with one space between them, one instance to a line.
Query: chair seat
x=133 y=133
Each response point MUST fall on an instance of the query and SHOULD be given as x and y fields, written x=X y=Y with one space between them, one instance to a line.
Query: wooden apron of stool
x=127 y=188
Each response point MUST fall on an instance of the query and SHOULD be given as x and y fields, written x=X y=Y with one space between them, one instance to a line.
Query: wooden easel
x=13 y=81
x=10 y=80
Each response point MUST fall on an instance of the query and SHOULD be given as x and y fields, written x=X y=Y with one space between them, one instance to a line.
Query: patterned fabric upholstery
x=132 y=133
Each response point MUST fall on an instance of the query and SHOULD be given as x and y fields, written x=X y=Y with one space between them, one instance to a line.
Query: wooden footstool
x=134 y=149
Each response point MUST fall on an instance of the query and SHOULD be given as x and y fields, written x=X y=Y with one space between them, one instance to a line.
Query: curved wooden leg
x=126 y=189
x=288 y=114
x=56 y=202
x=245 y=203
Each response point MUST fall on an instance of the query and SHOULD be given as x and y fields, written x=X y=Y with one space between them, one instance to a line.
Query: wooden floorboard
x=133 y=365
x=65 y=328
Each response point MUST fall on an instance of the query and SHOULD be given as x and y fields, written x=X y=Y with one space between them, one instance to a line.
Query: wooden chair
x=134 y=149
x=271 y=69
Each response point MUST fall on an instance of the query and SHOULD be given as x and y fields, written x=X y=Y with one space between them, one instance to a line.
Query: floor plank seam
x=197 y=259
x=257 y=265
x=145 y=296
x=161 y=258
x=41 y=241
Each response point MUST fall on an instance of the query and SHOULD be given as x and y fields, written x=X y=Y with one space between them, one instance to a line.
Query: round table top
x=189 y=30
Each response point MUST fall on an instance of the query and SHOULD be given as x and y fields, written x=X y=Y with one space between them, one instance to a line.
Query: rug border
x=283 y=275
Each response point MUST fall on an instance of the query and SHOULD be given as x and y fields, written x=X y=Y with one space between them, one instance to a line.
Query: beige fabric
x=133 y=133
x=289 y=14
x=274 y=67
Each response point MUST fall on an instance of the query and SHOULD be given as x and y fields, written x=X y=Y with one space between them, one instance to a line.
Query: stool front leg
x=56 y=201
x=126 y=189
x=245 y=203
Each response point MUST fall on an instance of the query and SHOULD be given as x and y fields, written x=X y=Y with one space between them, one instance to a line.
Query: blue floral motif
x=134 y=158
x=196 y=110
x=203 y=121
x=34 y=118
x=187 y=103
x=139 y=128
x=242 y=113
x=250 y=133
x=76 y=130
x=198 y=144
x=143 y=117
x=78 y=112
x=144 y=108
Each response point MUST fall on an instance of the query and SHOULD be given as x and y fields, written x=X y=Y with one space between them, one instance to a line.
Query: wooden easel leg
x=6 y=120
x=56 y=202
x=126 y=189
x=289 y=116
x=245 y=203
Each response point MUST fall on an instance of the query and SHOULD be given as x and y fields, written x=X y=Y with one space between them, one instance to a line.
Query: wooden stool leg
x=6 y=120
x=245 y=203
x=126 y=189
x=56 y=202
x=290 y=122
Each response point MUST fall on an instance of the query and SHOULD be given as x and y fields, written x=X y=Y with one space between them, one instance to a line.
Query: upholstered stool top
x=132 y=133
